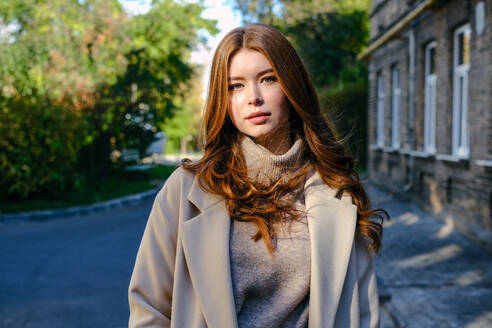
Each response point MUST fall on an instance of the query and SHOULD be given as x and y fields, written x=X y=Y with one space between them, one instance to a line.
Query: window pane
x=430 y=114
x=380 y=110
x=460 y=48
x=380 y=86
x=460 y=111
x=395 y=107
x=395 y=78
x=463 y=48
x=466 y=48
x=460 y=91
x=433 y=115
x=432 y=63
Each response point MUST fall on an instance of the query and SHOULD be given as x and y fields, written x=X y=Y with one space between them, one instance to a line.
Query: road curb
x=80 y=210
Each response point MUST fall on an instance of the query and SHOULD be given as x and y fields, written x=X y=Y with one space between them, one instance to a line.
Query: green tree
x=182 y=129
x=156 y=77
x=329 y=43
x=290 y=11
x=256 y=10
x=114 y=77
x=63 y=49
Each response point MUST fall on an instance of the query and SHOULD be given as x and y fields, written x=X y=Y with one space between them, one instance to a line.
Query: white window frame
x=460 y=135
x=430 y=102
x=380 y=109
x=395 y=107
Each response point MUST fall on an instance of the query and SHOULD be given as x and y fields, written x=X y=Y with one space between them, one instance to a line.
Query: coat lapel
x=331 y=228
x=206 y=247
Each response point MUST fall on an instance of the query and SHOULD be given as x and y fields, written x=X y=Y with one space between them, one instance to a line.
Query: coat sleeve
x=151 y=284
x=368 y=292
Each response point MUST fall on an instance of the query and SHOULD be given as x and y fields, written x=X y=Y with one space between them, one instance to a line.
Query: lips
x=258 y=118
x=257 y=114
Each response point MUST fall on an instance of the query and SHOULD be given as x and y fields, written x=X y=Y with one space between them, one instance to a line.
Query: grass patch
x=96 y=190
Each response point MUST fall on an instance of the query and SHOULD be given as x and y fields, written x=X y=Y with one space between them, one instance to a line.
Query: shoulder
x=177 y=185
x=315 y=185
x=181 y=178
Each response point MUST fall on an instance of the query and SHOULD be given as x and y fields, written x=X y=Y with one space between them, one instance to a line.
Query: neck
x=277 y=142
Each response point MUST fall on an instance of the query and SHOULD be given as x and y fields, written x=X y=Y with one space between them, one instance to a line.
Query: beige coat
x=182 y=274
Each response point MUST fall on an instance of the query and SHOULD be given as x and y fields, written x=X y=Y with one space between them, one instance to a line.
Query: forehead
x=246 y=60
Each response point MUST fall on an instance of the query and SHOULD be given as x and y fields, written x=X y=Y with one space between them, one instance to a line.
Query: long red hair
x=222 y=170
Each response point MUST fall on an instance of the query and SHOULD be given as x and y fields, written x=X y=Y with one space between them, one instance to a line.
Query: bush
x=347 y=107
x=38 y=148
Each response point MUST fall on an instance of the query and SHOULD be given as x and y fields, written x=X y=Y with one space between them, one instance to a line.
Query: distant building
x=430 y=107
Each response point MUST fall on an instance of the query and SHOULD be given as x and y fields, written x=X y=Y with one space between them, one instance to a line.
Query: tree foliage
x=183 y=128
x=81 y=78
x=39 y=145
x=329 y=43
x=291 y=11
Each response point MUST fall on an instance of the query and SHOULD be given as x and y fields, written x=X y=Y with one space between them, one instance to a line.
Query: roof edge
x=395 y=28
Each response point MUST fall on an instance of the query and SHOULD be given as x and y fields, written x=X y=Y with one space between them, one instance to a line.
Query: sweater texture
x=271 y=291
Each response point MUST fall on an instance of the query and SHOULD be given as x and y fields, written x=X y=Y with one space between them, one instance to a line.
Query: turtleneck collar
x=266 y=167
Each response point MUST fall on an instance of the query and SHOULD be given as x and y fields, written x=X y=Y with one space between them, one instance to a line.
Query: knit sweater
x=271 y=291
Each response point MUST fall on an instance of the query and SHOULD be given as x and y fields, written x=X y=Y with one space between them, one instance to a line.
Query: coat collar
x=201 y=199
x=206 y=245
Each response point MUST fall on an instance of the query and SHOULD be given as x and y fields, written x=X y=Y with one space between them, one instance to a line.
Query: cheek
x=275 y=95
x=238 y=99
x=281 y=102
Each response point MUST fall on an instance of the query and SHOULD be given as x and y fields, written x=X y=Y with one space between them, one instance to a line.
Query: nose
x=255 y=101
x=255 y=98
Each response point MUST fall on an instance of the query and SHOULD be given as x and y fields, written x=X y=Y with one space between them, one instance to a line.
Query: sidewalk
x=432 y=275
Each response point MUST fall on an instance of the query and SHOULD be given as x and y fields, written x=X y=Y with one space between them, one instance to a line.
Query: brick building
x=430 y=107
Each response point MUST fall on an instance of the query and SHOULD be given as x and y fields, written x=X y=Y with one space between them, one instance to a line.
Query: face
x=257 y=103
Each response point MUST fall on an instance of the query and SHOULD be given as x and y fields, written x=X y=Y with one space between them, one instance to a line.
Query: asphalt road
x=71 y=272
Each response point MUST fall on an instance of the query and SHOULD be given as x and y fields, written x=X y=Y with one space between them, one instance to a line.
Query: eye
x=236 y=86
x=270 y=79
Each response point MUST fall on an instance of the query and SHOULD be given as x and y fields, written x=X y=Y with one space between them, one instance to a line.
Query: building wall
x=385 y=13
x=459 y=190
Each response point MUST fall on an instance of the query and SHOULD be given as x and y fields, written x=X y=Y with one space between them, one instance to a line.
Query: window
x=380 y=110
x=395 y=107
x=461 y=66
x=430 y=99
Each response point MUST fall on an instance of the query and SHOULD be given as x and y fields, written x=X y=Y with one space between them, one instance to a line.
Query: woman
x=272 y=227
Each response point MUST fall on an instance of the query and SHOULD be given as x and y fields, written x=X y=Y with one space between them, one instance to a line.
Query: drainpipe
x=411 y=105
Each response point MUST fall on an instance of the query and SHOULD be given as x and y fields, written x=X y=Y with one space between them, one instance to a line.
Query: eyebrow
x=268 y=70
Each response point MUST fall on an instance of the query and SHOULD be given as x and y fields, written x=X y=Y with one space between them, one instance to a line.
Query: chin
x=258 y=132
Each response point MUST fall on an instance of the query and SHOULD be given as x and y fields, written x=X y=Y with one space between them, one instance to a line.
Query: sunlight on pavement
x=482 y=321
x=439 y=255
x=469 y=278
x=407 y=218
x=446 y=229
